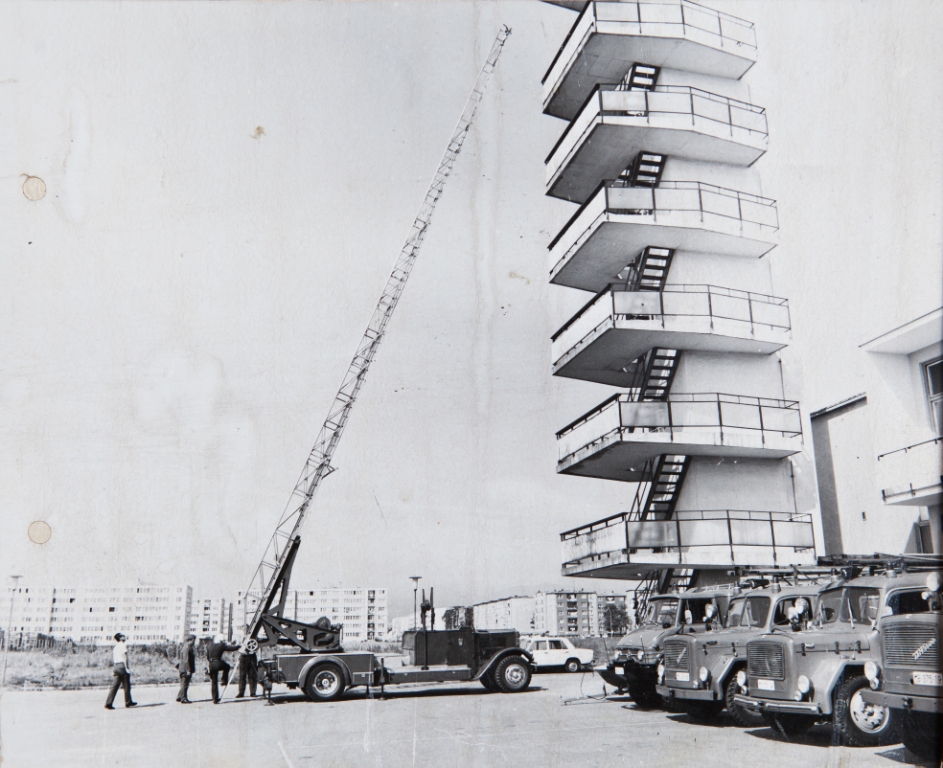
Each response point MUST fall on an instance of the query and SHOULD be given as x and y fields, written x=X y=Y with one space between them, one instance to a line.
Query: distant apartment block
x=363 y=612
x=566 y=613
x=210 y=616
x=95 y=615
x=505 y=613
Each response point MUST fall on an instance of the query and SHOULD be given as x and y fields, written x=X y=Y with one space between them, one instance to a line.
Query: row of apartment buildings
x=148 y=614
x=672 y=240
x=582 y=613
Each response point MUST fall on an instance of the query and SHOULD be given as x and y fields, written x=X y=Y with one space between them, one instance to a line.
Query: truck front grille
x=765 y=660
x=914 y=645
x=676 y=656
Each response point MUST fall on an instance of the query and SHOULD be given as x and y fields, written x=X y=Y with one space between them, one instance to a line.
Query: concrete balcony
x=913 y=476
x=600 y=342
x=618 y=221
x=614 y=440
x=620 y=548
x=614 y=125
x=608 y=37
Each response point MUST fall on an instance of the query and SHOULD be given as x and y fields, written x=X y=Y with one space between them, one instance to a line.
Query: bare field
x=430 y=725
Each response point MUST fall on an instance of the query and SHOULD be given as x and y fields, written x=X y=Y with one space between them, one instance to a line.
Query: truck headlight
x=803 y=684
x=641 y=654
x=661 y=673
x=742 y=680
x=873 y=672
x=703 y=674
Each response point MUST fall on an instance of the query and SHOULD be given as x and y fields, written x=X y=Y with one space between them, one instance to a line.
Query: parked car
x=634 y=666
x=909 y=679
x=699 y=670
x=797 y=679
x=557 y=652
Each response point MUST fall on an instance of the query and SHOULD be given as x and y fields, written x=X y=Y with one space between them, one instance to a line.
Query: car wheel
x=920 y=732
x=324 y=683
x=643 y=693
x=572 y=665
x=742 y=717
x=702 y=710
x=512 y=674
x=789 y=727
x=858 y=723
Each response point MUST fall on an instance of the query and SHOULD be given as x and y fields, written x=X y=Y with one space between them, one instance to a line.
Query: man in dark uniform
x=248 y=668
x=186 y=667
x=214 y=655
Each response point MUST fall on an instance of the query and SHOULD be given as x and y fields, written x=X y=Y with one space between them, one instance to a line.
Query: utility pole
x=8 y=631
x=415 y=593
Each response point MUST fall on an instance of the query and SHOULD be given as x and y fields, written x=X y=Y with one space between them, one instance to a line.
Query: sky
x=227 y=187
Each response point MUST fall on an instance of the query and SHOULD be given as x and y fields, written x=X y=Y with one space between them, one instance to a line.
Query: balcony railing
x=613 y=99
x=724 y=310
x=707 y=200
x=913 y=475
x=678 y=20
x=723 y=536
x=725 y=417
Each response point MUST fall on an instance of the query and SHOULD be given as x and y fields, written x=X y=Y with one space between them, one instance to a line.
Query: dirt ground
x=431 y=725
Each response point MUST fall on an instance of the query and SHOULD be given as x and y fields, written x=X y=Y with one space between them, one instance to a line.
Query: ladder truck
x=318 y=665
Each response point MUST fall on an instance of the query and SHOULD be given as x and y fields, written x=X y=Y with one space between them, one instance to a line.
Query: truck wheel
x=742 y=717
x=644 y=694
x=488 y=682
x=572 y=665
x=324 y=683
x=702 y=710
x=789 y=727
x=512 y=674
x=858 y=723
x=920 y=732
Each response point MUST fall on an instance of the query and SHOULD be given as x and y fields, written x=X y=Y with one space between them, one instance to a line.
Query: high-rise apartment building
x=505 y=613
x=364 y=612
x=670 y=239
x=210 y=616
x=566 y=613
x=93 y=615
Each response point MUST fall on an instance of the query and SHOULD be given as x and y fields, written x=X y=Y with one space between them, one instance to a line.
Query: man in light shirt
x=122 y=672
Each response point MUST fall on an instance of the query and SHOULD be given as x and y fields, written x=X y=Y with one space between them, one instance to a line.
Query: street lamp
x=8 y=631
x=415 y=580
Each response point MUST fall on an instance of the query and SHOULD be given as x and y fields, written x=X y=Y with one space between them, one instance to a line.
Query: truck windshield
x=660 y=612
x=735 y=612
x=858 y=604
x=755 y=611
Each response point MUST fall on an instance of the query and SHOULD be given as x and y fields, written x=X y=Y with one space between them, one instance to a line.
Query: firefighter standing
x=186 y=667
x=248 y=668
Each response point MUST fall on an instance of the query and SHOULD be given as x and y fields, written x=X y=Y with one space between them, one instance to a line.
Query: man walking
x=186 y=667
x=119 y=658
x=214 y=655
x=248 y=669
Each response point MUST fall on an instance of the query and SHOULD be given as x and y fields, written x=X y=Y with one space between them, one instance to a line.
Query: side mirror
x=688 y=616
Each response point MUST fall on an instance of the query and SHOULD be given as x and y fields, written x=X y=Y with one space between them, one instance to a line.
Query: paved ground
x=455 y=725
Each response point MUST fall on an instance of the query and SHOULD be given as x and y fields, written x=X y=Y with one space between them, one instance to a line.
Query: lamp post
x=415 y=580
x=8 y=631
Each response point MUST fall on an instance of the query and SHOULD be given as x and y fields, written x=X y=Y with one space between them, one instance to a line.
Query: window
x=933 y=374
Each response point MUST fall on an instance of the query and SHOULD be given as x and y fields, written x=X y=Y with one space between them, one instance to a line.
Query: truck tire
x=324 y=683
x=859 y=724
x=572 y=665
x=789 y=727
x=920 y=732
x=702 y=710
x=742 y=717
x=487 y=680
x=512 y=674
x=643 y=693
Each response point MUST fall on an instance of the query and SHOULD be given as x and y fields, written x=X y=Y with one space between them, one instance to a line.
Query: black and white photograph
x=471 y=383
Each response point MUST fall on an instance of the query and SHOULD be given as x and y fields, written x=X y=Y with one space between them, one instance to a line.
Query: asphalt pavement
x=563 y=720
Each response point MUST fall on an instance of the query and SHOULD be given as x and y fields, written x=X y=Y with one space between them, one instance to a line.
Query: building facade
x=364 y=612
x=505 y=613
x=670 y=240
x=210 y=616
x=566 y=613
x=94 y=615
